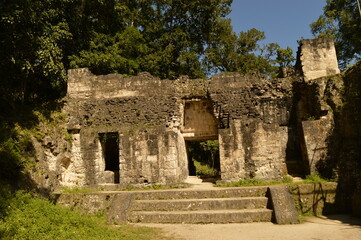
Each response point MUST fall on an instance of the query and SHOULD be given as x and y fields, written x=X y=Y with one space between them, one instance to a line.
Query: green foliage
x=165 y=38
x=205 y=170
x=285 y=57
x=205 y=155
x=341 y=20
x=42 y=38
x=256 y=182
x=14 y=152
x=31 y=218
x=121 y=53
x=33 y=33
x=314 y=178
x=312 y=118
x=244 y=54
x=17 y=132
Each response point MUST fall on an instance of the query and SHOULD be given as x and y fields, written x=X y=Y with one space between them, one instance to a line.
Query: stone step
x=215 y=216
x=193 y=180
x=200 y=204
x=201 y=193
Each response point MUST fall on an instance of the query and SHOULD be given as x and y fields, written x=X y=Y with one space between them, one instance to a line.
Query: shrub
x=29 y=218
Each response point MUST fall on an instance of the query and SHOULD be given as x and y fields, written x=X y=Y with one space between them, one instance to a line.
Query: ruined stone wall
x=240 y=96
x=143 y=110
x=110 y=100
x=254 y=114
x=328 y=113
x=258 y=122
x=346 y=142
x=317 y=58
x=316 y=95
x=252 y=149
x=150 y=115
x=313 y=120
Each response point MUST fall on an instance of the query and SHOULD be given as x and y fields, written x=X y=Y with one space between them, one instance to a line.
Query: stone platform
x=190 y=205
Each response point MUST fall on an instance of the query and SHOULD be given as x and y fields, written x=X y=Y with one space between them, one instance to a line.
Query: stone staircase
x=218 y=205
x=201 y=203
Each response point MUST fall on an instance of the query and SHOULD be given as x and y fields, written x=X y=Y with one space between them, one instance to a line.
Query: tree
x=41 y=39
x=341 y=20
x=170 y=38
x=173 y=33
x=243 y=53
x=285 y=57
x=122 y=52
x=32 y=37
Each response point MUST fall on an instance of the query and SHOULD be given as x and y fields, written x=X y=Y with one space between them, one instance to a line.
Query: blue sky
x=283 y=21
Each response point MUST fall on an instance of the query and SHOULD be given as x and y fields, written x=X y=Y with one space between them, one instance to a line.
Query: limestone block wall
x=144 y=112
x=238 y=96
x=317 y=58
x=143 y=158
x=82 y=84
x=318 y=199
x=253 y=149
x=232 y=155
x=316 y=104
x=346 y=140
x=254 y=114
x=153 y=158
x=316 y=134
x=257 y=121
x=249 y=115
x=73 y=171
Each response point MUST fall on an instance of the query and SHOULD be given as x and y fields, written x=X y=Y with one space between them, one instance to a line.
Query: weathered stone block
x=319 y=198
x=283 y=205
x=108 y=176
x=318 y=58
x=316 y=134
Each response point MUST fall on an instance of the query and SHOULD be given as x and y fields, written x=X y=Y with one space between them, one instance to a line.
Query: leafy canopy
x=41 y=39
x=341 y=20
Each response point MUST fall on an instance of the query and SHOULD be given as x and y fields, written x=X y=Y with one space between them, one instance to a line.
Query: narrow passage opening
x=203 y=159
x=110 y=148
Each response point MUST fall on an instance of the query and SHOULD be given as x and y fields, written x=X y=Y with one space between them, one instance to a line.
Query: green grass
x=310 y=179
x=27 y=218
x=204 y=170
x=314 y=178
x=255 y=182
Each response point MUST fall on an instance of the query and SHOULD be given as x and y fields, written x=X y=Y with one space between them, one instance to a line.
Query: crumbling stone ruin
x=135 y=130
x=152 y=120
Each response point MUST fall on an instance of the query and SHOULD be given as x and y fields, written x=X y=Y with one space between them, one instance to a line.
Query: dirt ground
x=335 y=227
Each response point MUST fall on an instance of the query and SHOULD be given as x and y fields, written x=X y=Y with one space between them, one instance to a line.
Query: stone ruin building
x=135 y=130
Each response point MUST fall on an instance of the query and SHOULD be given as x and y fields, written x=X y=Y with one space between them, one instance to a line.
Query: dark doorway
x=110 y=148
x=203 y=159
x=294 y=161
